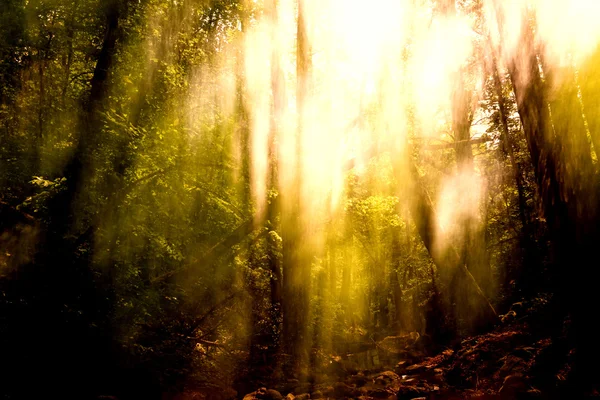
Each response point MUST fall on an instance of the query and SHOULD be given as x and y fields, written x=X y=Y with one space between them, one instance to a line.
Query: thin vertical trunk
x=348 y=257
x=382 y=295
x=68 y=61
x=296 y=264
x=333 y=273
x=588 y=82
x=346 y=277
x=393 y=279
x=39 y=138
x=328 y=299
x=41 y=97
x=278 y=92
x=243 y=138
x=378 y=279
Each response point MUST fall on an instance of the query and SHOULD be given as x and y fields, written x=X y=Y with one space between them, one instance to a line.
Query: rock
x=327 y=391
x=524 y=352
x=272 y=394
x=340 y=389
x=508 y=317
x=336 y=367
x=264 y=394
x=302 y=388
x=288 y=386
x=388 y=379
x=317 y=395
x=534 y=394
x=513 y=386
x=379 y=393
x=303 y=396
x=438 y=378
x=359 y=379
x=410 y=392
x=511 y=366
x=401 y=366
x=290 y=397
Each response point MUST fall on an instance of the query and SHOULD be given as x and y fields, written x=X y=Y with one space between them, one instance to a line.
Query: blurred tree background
x=176 y=213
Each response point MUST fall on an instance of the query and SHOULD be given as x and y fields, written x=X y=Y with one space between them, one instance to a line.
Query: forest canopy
x=200 y=198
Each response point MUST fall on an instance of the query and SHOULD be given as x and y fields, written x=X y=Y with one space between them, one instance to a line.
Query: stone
x=359 y=379
x=379 y=393
x=340 y=389
x=272 y=394
x=513 y=386
x=264 y=394
x=388 y=379
x=302 y=388
x=410 y=392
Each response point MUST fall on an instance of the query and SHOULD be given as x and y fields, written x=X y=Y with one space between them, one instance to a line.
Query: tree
x=566 y=181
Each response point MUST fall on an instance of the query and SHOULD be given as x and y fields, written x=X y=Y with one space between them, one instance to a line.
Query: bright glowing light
x=382 y=75
x=458 y=205
x=568 y=29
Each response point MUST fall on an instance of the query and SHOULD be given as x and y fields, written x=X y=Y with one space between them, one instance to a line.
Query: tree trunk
x=296 y=262
x=423 y=214
x=568 y=189
x=527 y=279
x=273 y=247
x=393 y=279
x=589 y=83
x=473 y=251
x=61 y=275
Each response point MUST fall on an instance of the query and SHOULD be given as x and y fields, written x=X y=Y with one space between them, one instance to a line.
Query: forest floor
x=519 y=359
